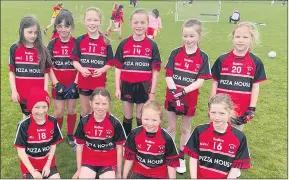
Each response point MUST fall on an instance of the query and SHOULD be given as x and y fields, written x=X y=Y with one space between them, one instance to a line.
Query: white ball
x=272 y=54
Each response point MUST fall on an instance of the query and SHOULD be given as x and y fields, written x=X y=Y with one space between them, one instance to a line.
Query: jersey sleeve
x=172 y=155
x=242 y=158
x=118 y=59
x=79 y=134
x=109 y=57
x=75 y=55
x=260 y=74
x=12 y=58
x=192 y=146
x=170 y=65
x=205 y=71
x=119 y=134
x=21 y=135
x=57 y=135
x=156 y=58
x=216 y=70
x=130 y=147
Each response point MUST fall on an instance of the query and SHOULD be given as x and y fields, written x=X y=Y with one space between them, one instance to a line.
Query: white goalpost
x=204 y=11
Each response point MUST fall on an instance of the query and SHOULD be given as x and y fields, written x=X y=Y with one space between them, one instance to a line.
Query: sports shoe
x=182 y=169
x=70 y=139
x=239 y=174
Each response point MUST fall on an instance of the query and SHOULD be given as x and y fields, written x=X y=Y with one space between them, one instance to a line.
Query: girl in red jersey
x=36 y=138
x=29 y=62
x=239 y=73
x=150 y=151
x=56 y=10
x=217 y=150
x=137 y=62
x=99 y=138
x=92 y=56
x=64 y=73
x=187 y=68
x=116 y=21
x=155 y=24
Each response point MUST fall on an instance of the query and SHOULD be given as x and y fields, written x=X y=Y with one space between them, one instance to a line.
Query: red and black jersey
x=151 y=152
x=236 y=76
x=217 y=153
x=37 y=139
x=61 y=53
x=92 y=54
x=137 y=59
x=24 y=62
x=118 y=15
x=99 y=139
x=185 y=69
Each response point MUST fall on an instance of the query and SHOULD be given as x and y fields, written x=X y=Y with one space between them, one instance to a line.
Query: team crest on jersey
x=102 y=50
x=147 y=51
x=249 y=68
x=231 y=148
x=108 y=133
x=161 y=149
x=198 y=66
x=139 y=146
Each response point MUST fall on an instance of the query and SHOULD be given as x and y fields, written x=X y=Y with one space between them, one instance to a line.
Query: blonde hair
x=98 y=12
x=154 y=105
x=195 y=24
x=223 y=99
x=139 y=11
x=253 y=30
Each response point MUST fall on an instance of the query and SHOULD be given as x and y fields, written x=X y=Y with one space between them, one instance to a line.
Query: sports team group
x=108 y=148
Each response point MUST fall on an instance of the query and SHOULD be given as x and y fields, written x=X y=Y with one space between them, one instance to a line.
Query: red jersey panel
x=118 y=15
x=151 y=152
x=236 y=76
x=37 y=139
x=137 y=59
x=99 y=140
x=186 y=69
x=24 y=63
x=217 y=153
x=61 y=53
x=92 y=54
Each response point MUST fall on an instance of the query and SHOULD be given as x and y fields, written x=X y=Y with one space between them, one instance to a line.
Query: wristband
x=252 y=108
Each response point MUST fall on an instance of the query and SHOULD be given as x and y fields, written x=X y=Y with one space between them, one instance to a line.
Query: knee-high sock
x=71 y=120
x=60 y=121
x=127 y=125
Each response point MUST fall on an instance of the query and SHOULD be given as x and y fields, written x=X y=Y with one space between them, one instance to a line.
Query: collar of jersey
x=93 y=119
x=235 y=57
x=190 y=55
x=131 y=38
x=158 y=131
x=229 y=127
x=34 y=121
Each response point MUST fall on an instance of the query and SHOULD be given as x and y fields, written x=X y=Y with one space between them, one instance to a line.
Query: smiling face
x=219 y=115
x=100 y=105
x=190 y=37
x=242 y=39
x=151 y=120
x=92 y=21
x=63 y=30
x=139 y=24
x=39 y=110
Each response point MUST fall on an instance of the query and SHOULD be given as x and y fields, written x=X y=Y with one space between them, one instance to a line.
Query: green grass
x=266 y=134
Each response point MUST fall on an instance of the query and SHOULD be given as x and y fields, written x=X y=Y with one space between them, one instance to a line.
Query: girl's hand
x=76 y=175
x=46 y=170
x=151 y=96
x=15 y=96
x=117 y=93
x=36 y=175
x=98 y=72
x=85 y=72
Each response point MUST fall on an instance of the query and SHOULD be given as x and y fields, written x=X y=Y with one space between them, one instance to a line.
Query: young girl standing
x=36 y=138
x=155 y=24
x=64 y=73
x=99 y=138
x=187 y=68
x=137 y=62
x=92 y=56
x=239 y=73
x=29 y=62
x=116 y=21
x=150 y=151
x=217 y=150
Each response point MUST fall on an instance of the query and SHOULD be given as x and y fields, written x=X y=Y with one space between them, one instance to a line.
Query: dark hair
x=120 y=6
x=43 y=53
x=156 y=12
x=100 y=91
x=66 y=16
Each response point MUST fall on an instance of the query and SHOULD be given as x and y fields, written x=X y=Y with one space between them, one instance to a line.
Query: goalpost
x=204 y=11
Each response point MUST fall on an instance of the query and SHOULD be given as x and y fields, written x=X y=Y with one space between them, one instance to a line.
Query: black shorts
x=100 y=169
x=53 y=170
x=85 y=92
x=55 y=96
x=135 y=92
x=24 y=109
x=134 y=175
